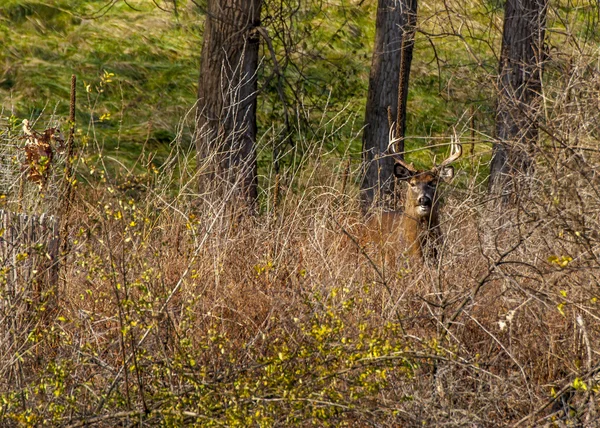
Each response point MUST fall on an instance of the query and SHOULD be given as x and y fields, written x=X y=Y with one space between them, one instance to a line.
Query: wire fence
x=31 y=182
x=28 y=252
x=9 y=170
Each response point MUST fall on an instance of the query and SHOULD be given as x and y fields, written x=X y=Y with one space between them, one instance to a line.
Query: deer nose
x=424 y=201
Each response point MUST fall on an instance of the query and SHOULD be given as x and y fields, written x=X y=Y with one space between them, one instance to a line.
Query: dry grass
x=176 y=308
x=175 y=311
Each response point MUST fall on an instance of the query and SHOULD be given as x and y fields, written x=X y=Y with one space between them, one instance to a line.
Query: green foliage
x=327 y=376
x=323 y=54
x=153 y=58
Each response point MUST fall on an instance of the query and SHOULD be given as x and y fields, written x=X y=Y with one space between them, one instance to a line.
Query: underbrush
x=171 y=309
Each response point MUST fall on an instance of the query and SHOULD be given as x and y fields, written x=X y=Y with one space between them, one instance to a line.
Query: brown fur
x=411 y=232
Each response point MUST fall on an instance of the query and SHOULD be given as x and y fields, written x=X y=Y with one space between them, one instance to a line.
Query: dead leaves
x=39 y=152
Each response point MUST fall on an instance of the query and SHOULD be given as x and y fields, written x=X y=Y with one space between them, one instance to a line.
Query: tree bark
x=388 y=89
x=227 y=92
x=519 y=87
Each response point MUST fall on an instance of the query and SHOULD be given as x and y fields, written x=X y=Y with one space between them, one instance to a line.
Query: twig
x=564 y=389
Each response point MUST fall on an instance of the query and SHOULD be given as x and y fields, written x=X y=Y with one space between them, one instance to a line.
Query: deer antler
x=455 y=153
x=392 y=150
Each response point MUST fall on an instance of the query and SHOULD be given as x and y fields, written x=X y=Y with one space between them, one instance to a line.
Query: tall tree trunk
x=227 y=90
x=388 y=89
x=519 y=86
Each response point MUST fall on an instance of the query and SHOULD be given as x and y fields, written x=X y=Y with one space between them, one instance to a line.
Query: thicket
x=172 y=308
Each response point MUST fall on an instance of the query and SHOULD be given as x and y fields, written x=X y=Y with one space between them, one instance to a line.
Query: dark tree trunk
x=226 y=117
x=388 y=89
x=408 y=27
x=519 y=86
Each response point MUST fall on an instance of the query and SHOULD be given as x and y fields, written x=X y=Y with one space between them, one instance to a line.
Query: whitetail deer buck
x=416 y=229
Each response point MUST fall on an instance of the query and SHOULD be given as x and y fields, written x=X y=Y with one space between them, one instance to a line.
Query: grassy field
x=152 y=59
x=171 y=308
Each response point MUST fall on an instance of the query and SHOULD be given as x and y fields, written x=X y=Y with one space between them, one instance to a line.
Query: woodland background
x=169 y=304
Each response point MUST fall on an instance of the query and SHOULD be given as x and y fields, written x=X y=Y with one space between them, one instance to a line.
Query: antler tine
x=392 y=150
x=392 y=141
x=455 y=153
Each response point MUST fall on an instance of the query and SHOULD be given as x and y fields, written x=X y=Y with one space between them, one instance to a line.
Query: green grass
x=154 y=58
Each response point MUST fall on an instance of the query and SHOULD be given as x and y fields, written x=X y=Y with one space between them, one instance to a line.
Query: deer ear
x=402 y=172
x=447 y=173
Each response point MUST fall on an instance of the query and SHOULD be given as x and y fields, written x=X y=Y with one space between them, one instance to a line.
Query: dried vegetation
x=174 y=308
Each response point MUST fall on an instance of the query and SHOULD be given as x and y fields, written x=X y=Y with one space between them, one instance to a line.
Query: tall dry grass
x=176 y=308
x=173 y=308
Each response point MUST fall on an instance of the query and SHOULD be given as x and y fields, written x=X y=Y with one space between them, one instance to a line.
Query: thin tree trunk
x=519 y=87
x=227 y=90
x=388 y=89
x=408 y=27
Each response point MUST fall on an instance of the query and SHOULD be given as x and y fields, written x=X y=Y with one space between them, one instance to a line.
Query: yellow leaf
x=579 y=384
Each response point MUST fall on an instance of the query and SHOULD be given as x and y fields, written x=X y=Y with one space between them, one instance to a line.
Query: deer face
x=421 y=196
x=419 y=223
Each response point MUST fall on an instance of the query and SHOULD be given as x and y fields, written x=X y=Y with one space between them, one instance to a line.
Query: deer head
x=419 y=225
